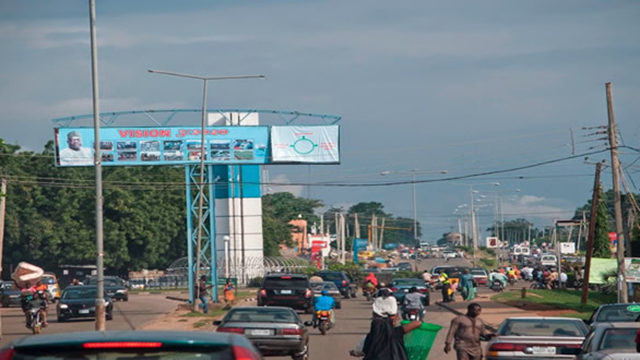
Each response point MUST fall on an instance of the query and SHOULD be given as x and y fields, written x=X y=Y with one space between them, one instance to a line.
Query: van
x=51 y=281
x=548 y=260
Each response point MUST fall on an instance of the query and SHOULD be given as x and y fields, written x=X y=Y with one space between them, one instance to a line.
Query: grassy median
x=542 y=300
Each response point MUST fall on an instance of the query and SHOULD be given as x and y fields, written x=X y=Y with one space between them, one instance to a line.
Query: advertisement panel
x=126 y=146
x=632 y=268
x=305 y=144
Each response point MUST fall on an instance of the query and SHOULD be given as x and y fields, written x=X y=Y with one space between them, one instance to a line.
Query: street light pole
x=415 y=221
x=205 y=79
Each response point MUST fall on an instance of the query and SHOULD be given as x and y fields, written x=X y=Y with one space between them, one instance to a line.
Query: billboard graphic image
x=305 y=144
x=163 y=146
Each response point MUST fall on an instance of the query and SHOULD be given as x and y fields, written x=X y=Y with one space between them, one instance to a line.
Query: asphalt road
x=133 y=314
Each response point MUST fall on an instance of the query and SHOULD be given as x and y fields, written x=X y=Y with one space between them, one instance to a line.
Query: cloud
x=274 y=187
x=540 y=210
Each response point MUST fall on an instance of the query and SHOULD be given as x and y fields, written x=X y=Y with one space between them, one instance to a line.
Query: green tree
x=601 y=240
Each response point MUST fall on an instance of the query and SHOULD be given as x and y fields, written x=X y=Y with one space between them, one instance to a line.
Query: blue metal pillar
x=187 y=181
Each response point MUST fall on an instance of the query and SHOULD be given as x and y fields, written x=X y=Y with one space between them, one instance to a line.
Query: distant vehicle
x=283 y=289
x=537 y=338
x=404 y=266
x=480 y=276
x=273 y=330
x=449 y=254
x=330 y=287
x=619 y=312
x=138 y=284
x=9 y=294
x=136 y=344
x=548 y=260
x=80 y=302
x=453 y=272
x=114 y=287
x=347 y=287
x=400 y=287
x=606 y=339
x=51 y=281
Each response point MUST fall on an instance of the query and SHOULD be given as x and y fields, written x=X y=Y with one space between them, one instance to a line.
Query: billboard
x=125 y=146
x=305 y=144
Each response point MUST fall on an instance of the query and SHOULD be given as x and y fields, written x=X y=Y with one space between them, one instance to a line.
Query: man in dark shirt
x=202 y=293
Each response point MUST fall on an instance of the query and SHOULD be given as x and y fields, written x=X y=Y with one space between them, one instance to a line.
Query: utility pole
x=382 y=234
x=592 y=233
x=342 y=238
x=615 y=169
x=356 y=226
x=3 y=199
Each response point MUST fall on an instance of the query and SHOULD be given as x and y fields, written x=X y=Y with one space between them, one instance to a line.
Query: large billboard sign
x=305 y=144
x=124 y=146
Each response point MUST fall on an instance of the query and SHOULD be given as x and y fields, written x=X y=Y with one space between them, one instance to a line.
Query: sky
x=422 y=87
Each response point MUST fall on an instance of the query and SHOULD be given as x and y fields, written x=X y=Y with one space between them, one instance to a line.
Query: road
x=133 y=314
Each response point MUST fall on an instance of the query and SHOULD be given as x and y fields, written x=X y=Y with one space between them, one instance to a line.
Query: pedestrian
x=228 y=292
x=201 y=290
x=467 y=285
x=563 y=278
x=385 y=342
x=465 y=332
x=446 y=285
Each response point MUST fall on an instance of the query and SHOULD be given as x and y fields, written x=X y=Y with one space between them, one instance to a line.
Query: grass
x=211 y=313
x=569 y=300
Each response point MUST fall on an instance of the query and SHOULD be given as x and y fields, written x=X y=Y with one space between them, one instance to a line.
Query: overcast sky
x=466 y=86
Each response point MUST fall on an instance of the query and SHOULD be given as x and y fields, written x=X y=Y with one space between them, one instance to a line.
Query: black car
x=79 y=301
x=114 y=286
x=9 y=295
x=404 y=266
x=292 y=290
x=344 y=283
x=401 y=287
x=273 y=330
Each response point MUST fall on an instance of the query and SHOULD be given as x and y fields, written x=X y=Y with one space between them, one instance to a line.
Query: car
x=113 y=285
x=273 y=330
x=283 y=289
x=348 y=288
x=9 y=294
x=331 y=288
x=537 y=338
x=136 y=344
x=401 y=286
x=609 y=338
x=449 y=255
x=452 y=271
x=404 y=266
x=79 y=301
x=618 y=312
x=480 y=276
x=51 y=281
x=548 y=260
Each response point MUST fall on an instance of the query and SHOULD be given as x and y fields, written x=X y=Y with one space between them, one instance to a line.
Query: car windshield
x=75 y=294
x=478 y=272
x=407 y=282
x=262 y=315
x=48 y=280
x=542 y=327
x=331 y=276
x=318 y=286
x=107 y=281
x=618 y=313
x=279 y=283
x=618 y=338
x=210 y=353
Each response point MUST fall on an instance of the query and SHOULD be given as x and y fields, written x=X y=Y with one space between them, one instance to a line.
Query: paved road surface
x=139 y=310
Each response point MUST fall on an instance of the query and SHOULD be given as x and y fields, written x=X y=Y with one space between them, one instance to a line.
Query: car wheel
x=339 y=305
x=61 y=319
x=5 y=304
x=308 y=310
x=304 y=355
x=126 y=298
x=109 y=316
x=353 y=293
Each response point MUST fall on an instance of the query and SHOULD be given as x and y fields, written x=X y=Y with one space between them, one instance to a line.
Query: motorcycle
x=368 y=292
x=35 y=320
x=496 y=286
x=412 y=314
x=323 y=321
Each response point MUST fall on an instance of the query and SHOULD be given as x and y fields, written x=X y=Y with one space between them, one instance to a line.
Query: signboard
x=125 y=146
x=305 y=144
x=632 y=269
x=567 y=248
x=358 y=244
x=600 y=267
x=492 y=242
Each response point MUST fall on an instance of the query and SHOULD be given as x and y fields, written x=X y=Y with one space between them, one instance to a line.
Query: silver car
x=610 y=340
x=274 y=330
x=537 y=338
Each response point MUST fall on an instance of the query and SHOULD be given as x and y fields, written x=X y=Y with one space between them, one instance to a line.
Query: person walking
x=386 y=342
x=468 y=285
x=446 y=286
x=201 y=290
x=465 y=332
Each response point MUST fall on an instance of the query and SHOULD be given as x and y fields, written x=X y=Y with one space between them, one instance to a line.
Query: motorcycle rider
x=413 y=300
x=324 y=302
x=37 y=299
x=497 y=276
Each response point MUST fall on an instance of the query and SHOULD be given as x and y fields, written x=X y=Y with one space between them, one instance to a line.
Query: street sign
x=567 y=248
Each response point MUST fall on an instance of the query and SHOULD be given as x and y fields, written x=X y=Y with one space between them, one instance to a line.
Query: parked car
x=273 y=330
x=608 y=338
x=281 y=289
x=347 y=287
x=9 y=294
x=80 y=302
x=330 y=287
x=480 y=276
x=401 y=286
x=132 y=344
x=537 y=338
x=619 y=312
x=114 y=286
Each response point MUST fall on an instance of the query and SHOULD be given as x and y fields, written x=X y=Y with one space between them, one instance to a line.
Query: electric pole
x=615 y=169
x=591 y=236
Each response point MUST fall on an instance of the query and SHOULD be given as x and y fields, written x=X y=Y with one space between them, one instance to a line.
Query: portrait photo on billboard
x=71 y=148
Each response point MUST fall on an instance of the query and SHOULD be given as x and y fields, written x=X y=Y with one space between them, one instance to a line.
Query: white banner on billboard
x=567 y=248
x=305 y=144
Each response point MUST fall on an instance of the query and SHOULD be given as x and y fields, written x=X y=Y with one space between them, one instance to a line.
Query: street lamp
x=204 y=79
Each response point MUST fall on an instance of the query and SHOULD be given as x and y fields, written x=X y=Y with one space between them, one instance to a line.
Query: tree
x=601 y=239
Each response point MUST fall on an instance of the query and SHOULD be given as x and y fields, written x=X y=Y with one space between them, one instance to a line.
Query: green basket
x=418 y=342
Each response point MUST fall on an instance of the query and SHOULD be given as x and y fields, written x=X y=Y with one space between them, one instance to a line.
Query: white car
x=610 y=339
x=449 y=254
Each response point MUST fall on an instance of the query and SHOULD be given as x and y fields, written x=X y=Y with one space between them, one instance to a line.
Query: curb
x=450 y=309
